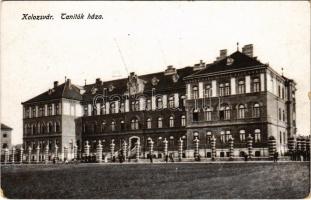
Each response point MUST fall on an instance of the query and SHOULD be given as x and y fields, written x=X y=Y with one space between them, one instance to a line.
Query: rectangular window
x=208 y=115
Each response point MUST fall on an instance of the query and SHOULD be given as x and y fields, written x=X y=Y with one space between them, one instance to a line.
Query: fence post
x=250 y=146
x=137 y=150
x=13 y=154
x=112 y=145
x=124 y=148
x=38 y=154
x=196 y=148
x=213 y=147
x=151 y=147
x=180 y=148
x=75 y=152
x=231 y=149
x=6 y=155
x=29 y=154
x=46 y=154
x=271 y=146
x=99 y=154
x=165 y=148
x=21 y=155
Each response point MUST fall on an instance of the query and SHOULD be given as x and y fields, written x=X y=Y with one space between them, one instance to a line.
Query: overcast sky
x=150 y=35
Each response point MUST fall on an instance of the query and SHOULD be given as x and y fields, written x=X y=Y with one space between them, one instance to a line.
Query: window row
x=224 y=88
x=224 y=112
x=224 y=136
x=50 y=110
x=134 y=105
x=42 y=128
x=134 y=124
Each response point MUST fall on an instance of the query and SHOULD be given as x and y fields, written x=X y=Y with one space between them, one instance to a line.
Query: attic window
x=94 y=90
x=230 y=61
x=50 y=91
x=111 y=88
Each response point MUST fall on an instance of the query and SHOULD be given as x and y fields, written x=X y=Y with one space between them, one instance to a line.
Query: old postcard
x=155 y=100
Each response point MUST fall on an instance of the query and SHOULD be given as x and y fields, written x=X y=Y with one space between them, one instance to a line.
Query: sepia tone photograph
x=155 y=100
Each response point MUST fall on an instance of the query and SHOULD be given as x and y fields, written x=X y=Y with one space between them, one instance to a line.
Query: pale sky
x=150 y=35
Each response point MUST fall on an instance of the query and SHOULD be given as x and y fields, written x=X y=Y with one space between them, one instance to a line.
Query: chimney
x=98 y=81
x=222 y=54
x=68 y=82
x=170 y=70
x=55 y=84
x=199 y=66
x=248 y=50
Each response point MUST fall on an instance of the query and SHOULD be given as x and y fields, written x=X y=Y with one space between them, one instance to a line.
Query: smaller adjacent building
x=6 y=137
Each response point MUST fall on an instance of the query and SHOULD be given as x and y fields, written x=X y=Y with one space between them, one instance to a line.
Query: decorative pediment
x=135 y=85
x=154 y=81
x=94 y=90
x=111 y=88
x=175 y=77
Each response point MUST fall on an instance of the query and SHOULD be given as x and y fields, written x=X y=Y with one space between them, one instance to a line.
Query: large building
x=235 y=96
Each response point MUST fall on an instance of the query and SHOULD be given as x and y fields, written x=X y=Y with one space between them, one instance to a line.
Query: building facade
x=6 y=137
x=236 y=96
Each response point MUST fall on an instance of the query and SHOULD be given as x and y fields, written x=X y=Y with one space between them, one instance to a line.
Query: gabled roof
x=240 y=61
x=5 y=127
x=65 y=90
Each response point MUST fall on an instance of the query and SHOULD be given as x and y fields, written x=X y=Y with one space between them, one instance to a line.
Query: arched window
x=221 y=89
x=227 y=113
x=242 y=135
x=160 y=122
x=256 y=110
x=222 y=136
x=103 y=126
x=228 y=135
x=57 y=110
x=183 y=120
x=137 y=105
x=134 y=124
x=208 y=137
x=257 y=135
x=208 y=114
x=49 y=127
x=148 y=106
x=171 y=102
x=122 y=107
x=34 y=129
x=113 y=108
x=39 y=128
x=195 y=115
x=227 y=89
x=133 y=105
x=149 y=123
x=171 y=121
x=50 y=110
x=113 y=126
x=280 y=114
x=195 y=92
x=57 y=127
x=159 y=103
x=241 y=87
x=256 y=85
x=241 y=112
x=208 y=91
x=122 y=125
x=41 y=112
x=34 y=114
